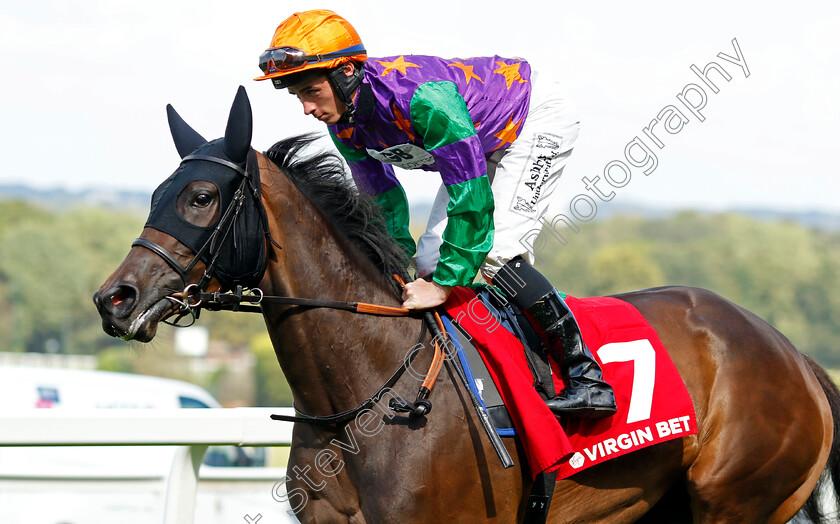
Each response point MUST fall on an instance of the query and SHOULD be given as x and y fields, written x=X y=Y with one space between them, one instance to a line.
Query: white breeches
x=523 y=179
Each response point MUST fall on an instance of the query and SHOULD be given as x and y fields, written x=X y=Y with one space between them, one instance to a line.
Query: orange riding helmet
x=310 y=40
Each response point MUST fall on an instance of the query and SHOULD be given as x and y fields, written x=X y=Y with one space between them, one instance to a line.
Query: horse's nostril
x=119 y=297
x=120 y=300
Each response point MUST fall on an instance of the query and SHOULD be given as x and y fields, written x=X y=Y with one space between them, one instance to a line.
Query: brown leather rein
x=192 y=299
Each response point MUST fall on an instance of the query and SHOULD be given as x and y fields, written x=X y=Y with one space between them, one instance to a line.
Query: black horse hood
x=241 y=259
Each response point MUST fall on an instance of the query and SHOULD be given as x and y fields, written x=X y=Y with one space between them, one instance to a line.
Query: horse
x=768 y=442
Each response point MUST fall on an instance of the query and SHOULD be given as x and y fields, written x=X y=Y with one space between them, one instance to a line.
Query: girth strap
x=539 y=502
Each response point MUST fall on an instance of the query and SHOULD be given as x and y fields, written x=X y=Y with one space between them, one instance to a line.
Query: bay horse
x=766 y=414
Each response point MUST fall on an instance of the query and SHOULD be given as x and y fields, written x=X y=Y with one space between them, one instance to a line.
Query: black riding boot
x=586 y=394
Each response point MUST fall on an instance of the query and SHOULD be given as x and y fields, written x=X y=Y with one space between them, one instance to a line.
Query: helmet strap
x=345 y=86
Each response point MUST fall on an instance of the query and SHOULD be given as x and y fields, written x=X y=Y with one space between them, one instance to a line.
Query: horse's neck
x=332 y=359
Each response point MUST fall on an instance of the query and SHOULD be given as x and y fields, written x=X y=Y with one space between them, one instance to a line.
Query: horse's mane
x=322 y=178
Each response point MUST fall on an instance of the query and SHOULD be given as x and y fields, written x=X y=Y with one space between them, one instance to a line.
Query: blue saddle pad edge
x=462 y=358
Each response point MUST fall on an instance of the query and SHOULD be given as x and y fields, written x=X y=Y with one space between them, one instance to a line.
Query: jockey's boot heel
x=586 y=395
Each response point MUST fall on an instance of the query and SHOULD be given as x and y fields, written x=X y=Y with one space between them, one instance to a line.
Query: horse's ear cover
x=242 y=259
x=237 y=140
x=186 y=138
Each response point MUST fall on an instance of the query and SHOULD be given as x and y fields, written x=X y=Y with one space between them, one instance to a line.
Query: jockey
x=499 y=139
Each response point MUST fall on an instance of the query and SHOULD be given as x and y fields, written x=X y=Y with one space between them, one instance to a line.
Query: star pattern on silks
x=510 y=72
x=468 y=71
x=399 y=64
x=402 y=122
x=508 y=134
x=346 y=134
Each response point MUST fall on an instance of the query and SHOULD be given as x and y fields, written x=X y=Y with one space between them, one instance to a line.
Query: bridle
x=194 y=297
x=212 y=246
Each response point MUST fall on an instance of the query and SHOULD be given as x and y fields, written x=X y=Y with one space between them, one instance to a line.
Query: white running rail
x=192 y=430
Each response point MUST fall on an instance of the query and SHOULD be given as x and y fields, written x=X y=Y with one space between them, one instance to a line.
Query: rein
x=350 y=414
x=192 y=299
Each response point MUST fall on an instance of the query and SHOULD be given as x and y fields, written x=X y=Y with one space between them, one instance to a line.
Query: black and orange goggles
x=276 y=59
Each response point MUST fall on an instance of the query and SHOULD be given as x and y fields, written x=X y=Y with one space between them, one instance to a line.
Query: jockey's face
x=318 y=98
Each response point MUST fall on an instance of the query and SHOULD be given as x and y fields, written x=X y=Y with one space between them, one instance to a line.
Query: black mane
x=322 y=178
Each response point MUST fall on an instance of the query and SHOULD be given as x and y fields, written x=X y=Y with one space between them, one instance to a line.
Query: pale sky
x=85 y=85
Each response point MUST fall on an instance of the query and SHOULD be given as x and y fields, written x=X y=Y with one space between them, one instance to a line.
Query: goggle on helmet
x=291 y=59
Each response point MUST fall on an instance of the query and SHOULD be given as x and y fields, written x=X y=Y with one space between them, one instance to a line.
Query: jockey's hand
x=422 y=294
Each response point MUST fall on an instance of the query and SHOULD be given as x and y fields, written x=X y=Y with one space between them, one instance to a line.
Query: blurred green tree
x=623 y=266
x=271 y=386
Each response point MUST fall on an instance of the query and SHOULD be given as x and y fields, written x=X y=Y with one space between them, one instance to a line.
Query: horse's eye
x=202 y=200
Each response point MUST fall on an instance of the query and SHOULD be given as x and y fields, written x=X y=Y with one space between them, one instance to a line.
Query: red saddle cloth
x=653 y=403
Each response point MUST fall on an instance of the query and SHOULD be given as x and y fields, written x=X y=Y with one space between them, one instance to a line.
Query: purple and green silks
x=423 y=112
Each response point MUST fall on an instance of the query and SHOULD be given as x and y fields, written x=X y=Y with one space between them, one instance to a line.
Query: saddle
x=512 y=375
x=508 y=316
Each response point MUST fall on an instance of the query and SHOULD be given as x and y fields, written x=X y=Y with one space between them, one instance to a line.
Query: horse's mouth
x=144 y=326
